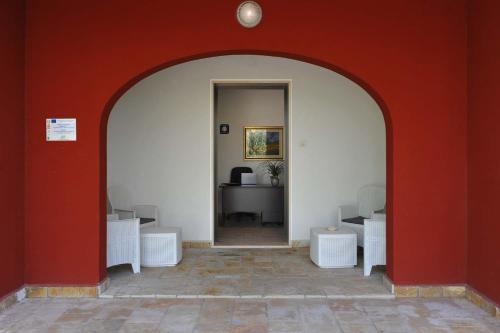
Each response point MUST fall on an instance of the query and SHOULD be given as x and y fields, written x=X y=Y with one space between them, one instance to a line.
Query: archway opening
x=347 y=151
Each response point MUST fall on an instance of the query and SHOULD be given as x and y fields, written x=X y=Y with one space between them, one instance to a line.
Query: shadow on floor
x=247 y=232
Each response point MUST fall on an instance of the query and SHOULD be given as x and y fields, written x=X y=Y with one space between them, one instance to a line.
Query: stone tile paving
x=248 y=273
x=246 y=315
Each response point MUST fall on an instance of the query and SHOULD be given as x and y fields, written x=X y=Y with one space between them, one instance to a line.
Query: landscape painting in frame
x=263 y=143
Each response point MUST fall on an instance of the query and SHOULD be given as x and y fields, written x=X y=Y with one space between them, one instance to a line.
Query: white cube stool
x=333 y=249
x=161 y=246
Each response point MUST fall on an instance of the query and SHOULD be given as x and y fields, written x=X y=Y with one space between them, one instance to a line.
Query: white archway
x=339 y=140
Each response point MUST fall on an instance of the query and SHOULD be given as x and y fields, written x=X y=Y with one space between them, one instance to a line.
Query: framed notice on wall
x=61 y=129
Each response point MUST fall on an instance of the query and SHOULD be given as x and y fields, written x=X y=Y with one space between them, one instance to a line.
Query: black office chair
x=236 y=174
x=235 y=180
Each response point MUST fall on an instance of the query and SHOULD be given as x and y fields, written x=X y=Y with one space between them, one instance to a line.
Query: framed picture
x=263 y=143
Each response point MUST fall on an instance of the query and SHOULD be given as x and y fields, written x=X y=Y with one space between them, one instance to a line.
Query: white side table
x=161 y=246
x=333 y=249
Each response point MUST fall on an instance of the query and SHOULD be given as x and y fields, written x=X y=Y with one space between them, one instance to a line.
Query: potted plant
x=273 y=169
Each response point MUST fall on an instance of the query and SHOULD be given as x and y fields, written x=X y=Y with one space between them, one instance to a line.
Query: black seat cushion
x=143 y=220
x=355 y=220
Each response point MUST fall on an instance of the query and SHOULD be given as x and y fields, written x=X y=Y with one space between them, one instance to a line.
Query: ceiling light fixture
x=249 y=14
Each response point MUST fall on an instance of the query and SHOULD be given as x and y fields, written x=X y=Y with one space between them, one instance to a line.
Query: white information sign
x=61 y=129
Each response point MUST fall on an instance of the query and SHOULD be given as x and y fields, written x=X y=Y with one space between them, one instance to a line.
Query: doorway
x=251 y=154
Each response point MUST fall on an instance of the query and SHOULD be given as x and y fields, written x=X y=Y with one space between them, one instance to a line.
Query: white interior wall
x=159 y=140
x=241 y=107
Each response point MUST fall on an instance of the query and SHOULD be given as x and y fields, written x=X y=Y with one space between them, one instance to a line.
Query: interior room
x=251 y=211
x=162 y=138
x=189 y=151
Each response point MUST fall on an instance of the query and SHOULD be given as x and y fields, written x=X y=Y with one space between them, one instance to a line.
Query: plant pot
x=275 y=181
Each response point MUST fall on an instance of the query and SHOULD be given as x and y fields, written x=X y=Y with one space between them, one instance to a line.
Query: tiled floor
x=251 y=273
x=240 y=315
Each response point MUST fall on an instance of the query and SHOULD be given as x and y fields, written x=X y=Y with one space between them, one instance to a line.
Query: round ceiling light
x=249 y=14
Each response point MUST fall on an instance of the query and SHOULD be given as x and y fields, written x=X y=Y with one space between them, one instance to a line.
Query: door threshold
x=251 y=246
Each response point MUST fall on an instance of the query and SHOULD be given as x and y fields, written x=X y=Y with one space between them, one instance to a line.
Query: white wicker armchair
x=370 y=199
x=123 y=247
x=121 y=205
x=374 y=248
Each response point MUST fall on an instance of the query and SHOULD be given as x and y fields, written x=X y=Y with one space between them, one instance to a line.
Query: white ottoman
x=161 y=246
x=333 y=249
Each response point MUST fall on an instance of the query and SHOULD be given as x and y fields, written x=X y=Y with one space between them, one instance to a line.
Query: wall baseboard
x=430 y=291
x=102 y=286
x=482 y=301
x=196 y=244
x=12 y=298
x=61 y=292
x=300 y=243
x=388 y=283
x=36 y=291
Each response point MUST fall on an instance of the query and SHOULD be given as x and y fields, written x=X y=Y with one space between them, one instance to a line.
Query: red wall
x=11 y=145
x=484 y=153
x=411 y=54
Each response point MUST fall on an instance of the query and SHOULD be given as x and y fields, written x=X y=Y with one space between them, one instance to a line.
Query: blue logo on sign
x=53 y=121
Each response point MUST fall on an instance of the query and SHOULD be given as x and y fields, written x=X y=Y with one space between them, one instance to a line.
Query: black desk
x=264 y=200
